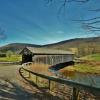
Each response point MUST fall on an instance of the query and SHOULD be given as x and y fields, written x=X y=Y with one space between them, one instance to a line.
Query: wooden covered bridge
x=46 y=56
x=68 y=89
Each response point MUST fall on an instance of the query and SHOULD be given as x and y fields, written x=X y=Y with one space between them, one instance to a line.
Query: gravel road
x=13 y=87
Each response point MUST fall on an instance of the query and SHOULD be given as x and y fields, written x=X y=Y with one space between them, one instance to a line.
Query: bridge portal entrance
x=26 y=58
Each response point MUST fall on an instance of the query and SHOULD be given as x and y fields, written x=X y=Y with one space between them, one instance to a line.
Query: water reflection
x=88 y=79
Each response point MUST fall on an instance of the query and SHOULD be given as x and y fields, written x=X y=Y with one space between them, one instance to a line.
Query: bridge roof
x=35 y=50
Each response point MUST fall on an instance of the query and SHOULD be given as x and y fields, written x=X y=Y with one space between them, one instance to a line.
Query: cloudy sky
x=36 y=22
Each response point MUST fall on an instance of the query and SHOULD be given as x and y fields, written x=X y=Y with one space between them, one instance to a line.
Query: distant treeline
x=87 y=50
x=7 y=53
x=2 y=55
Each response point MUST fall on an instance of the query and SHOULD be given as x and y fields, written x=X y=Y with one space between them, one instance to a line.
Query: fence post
x=36 y=79
x=29 y=75
x=49 y=84
x=75 y=94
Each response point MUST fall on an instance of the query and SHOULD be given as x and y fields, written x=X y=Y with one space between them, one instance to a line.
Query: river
x=83 y=78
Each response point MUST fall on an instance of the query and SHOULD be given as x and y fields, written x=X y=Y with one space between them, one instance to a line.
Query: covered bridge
x=46 y=56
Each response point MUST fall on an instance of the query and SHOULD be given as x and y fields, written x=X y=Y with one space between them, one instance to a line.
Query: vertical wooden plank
x=54 y=59
x=46 y=60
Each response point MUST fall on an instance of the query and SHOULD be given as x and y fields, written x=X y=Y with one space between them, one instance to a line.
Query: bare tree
x=92 y=24
x=9 y=53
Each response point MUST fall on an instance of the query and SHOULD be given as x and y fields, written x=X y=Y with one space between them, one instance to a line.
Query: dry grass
x=40 y=68
x=89 y=67
x=68 y=71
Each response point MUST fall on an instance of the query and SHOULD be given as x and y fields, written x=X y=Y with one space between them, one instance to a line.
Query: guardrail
x=75 y=86
x=10 y=62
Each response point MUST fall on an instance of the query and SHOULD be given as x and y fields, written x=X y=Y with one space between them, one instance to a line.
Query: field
x=13 y=58
x=94 y=57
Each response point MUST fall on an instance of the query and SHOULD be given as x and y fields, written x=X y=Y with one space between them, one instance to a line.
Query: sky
x=39 y=22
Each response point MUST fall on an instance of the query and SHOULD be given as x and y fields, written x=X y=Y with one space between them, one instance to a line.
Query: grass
x=84 y=68
x=91 y=65
x=87 y=68
x=95 y=57
x=13 y=58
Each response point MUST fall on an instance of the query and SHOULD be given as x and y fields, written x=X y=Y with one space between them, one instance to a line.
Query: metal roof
x=35 y=50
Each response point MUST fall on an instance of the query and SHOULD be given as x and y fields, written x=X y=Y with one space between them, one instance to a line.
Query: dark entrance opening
x=26 y=58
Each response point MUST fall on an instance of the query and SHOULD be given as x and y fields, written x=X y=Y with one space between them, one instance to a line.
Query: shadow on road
x=12 y=91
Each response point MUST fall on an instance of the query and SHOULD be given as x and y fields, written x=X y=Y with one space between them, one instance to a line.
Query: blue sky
x=34 y=21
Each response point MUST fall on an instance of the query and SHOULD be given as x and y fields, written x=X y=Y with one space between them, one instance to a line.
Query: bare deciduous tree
x=92 y=24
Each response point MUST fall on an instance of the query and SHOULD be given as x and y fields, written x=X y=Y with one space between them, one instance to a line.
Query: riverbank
x=88 y=64
x=83 y=68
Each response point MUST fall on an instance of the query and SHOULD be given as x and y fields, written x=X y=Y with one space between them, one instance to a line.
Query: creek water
x=83 y=78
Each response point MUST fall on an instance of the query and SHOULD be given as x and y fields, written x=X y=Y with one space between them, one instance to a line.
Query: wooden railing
x=75 y=86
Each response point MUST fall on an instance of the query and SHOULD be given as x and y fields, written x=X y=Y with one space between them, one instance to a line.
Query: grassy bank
x=13 y=58
x=94 y=57
x=84 y=68
x=90 y=64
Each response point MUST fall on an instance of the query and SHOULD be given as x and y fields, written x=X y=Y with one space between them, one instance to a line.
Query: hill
x=74 y=43
x=16 y=47
x=82 y=46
